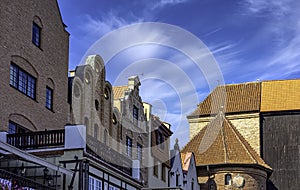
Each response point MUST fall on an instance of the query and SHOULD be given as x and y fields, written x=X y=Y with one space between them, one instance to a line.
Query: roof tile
x=220 y=143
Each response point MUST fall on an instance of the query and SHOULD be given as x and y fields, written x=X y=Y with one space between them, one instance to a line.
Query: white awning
x=25 y=155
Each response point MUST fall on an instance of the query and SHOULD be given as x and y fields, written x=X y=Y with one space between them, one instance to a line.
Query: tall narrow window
x=49 y=98
x=192 y=184
x=135 y=113
x=22 y=81
x=177 y=178
x=160 y=140
x=228 y=179
x=36 y=34
x=129 y=146
x=163 y=172
x=155 y=169
x=139 y=152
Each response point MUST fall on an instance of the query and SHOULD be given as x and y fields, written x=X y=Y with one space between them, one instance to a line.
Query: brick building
x=224 y=158
x=34 y=57
x=266 y=114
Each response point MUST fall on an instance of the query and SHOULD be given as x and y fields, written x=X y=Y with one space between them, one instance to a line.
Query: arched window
x=228 y=179
x=97 y=105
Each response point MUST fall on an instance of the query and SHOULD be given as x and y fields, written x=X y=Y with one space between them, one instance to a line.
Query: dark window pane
x=13 y=75
x=36 y=34
x=49 y=98
x=22 y=81
x=12 y=128
x=129 y=146
x=135 y=112
x=31 y=87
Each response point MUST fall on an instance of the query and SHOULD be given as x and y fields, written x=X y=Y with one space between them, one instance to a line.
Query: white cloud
x=107 y=23
x=163 y=3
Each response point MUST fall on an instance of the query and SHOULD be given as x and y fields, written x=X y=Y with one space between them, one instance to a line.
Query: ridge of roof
x=264 y=96
x=243 y=97
x=233 y=146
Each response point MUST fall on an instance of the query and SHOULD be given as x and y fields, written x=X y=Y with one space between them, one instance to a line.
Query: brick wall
x=49 y=63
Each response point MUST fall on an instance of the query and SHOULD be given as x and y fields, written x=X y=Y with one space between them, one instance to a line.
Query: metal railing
x=12 y=181
x=39 y=139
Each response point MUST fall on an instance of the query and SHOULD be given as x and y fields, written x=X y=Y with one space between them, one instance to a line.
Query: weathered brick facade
x=47 y=63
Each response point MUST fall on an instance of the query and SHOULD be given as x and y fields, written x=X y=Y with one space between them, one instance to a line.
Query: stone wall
x=247 y=124
x=241 y=178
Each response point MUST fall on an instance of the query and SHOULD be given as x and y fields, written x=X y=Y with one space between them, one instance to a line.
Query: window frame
x=36 y=29
x=94 y=183
x=26 y=84
x=135 y=113
x=228 y=179
x=48 y=89
x=163 y=173
x=139 y=152
x=18 y=128
x=160 y=140
x=129 y=146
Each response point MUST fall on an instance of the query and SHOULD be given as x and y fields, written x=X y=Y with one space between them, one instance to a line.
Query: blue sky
x=249 y=39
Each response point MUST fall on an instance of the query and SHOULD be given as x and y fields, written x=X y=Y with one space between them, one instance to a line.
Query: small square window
x=36 y=35
x=49 y=98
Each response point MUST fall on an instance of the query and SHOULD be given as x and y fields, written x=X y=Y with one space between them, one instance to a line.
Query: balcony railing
x=9 y=180
x=108 y=155
x=39 y=139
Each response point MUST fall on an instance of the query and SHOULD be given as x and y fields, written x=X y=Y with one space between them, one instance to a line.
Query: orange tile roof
x=231 y=98
x=220 y=143
x=280 y=95
x=119 y=91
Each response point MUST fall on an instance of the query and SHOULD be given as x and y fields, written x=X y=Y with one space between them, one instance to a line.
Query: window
x=139 y=152
x=160 y=139
x=49 y=98
x=177 y=178
x=163 y=172
x=228 y=179
x=106 y=94
x=129 y=146
x=155 y=169
x=111 y=187
x=94 y=184
x=22 y=81
x=16 y=128
x=97 y=105
x=192 y=184
x=36 y=35
x=135 y=113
